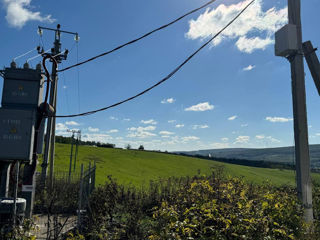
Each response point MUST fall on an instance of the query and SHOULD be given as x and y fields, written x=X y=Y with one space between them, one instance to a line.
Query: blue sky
x=234 y=93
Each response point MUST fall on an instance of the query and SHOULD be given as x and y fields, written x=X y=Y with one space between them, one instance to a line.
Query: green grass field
x=139 y=167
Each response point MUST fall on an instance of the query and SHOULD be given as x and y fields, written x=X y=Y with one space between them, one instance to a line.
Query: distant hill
x=279 y=155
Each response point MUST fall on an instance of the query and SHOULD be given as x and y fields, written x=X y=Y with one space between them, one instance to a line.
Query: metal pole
x=50 y=133
x=53 y=139
x=300 y=116
x=76 y=153
x=70 y=165
x=80 y=197
x=14 y=215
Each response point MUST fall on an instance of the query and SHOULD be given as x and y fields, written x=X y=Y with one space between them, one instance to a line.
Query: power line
x=164 y=79
x=139 y=38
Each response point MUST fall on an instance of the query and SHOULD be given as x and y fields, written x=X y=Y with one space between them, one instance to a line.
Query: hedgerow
x=201 y=207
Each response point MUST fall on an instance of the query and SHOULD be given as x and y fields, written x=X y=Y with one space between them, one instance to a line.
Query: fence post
x=94 y=175
x=80 y=197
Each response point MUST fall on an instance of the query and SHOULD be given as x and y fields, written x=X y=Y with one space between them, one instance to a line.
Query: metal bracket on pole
x=313 y=62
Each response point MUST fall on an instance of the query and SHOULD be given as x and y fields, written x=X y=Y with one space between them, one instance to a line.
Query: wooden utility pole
x=304 y=185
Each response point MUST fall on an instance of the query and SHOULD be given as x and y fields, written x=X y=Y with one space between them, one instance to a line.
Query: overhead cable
x=24 y=54
x=164 y=79
x=137 y=39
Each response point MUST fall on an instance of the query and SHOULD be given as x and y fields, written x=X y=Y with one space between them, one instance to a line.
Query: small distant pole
x=70 y=165
x=77 y=148
x=71 y=153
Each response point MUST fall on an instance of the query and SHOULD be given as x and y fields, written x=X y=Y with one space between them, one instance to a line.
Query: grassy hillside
x=281 y=155
x=139 y=167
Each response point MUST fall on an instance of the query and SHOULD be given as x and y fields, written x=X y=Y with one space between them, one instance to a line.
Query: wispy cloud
x=245 y=125
x=91 y=129
x=97 y=137
x=278 y=119
x=259 y=137
x=232 y=118
x=242 y=139
x=189 y=138
x=141 y=132
x=168 y=100
x=113 y=118
x=113 y=131
x=166 y=133
x=72 y=123
x=249 y=68
x=195 y=127
x=245 y=31
x=269 y=138
x=127 y=119
x=151 y=121
x=200 y=107
x=172 y=121
x=19 y=13
x=61 y=127
x=179 y=125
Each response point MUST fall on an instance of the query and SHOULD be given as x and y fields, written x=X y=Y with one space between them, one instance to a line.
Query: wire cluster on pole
x=158 y=83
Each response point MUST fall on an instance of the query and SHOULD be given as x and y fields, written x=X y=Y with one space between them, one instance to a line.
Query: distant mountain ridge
x=279 y=155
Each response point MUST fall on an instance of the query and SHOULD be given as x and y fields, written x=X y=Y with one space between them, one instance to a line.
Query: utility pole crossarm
x=313 y=62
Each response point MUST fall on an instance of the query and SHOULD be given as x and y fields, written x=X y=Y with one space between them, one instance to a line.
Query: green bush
x=202 y=207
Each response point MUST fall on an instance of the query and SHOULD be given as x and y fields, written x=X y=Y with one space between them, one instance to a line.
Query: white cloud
x=113 y=131
x=151 y=121
x=278 y=119
x=113 y=118
x=249 y=45
x=72 y=123
x=141 y=135
x=200 y=126
x=259 y=137
x=140 y=129
x=249 y=68
x=172 y=121
x=168 y=100
x=274 y=140
x=179 y=125
x=317 y=134
x=127 y=119
x=225 y=139
x=232 y=118
x=166 y=133
x=141 y=132
x=91 y=129
x=189 y=138
x=200 y=107
x=61 y=127
x=64 y=87
x=19 y=13
x=242 y=139
x=97 y=137
x=247 y=29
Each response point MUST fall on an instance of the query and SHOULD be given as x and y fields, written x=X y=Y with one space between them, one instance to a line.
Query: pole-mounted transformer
x=21 y=134
x=21 y=97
